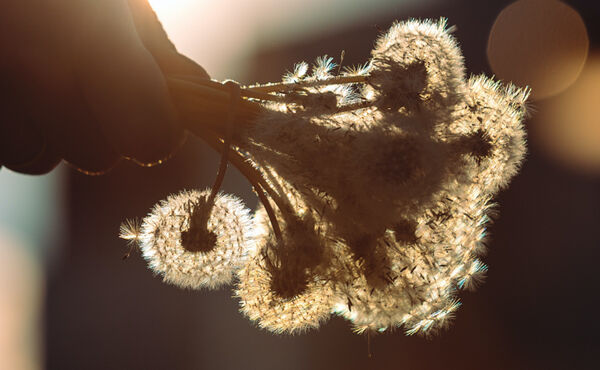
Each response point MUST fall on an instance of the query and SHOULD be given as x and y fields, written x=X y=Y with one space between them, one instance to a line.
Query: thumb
x=155 y=39
x=123 y=85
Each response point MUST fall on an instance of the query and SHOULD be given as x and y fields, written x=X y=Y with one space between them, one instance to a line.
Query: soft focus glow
x=222 y=35
x=539 y=43
x=20 y=293
x=30 y=227
x=568 y=126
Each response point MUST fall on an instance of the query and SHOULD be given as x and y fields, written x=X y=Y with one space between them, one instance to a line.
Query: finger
x=84 y=145
x=24 y=141
x=45 y=161
x=155 y=39
x=23 y=147
x=20 y=139
x=123 y=86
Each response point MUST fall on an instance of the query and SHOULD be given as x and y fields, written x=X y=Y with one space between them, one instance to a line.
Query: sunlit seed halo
x=161 y=243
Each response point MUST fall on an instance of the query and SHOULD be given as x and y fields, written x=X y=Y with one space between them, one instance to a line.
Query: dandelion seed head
x=419 y=58
x=276 y=312
x=193 y=245
x=494 y=113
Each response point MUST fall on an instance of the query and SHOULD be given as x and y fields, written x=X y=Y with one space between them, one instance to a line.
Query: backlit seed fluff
x=418 y=60
x=497 y=112
x=259 y=301
x=193 y=246
x=401 y=189
x=417 y=276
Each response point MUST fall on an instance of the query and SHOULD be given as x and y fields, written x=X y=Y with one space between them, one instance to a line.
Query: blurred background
x=68 y=301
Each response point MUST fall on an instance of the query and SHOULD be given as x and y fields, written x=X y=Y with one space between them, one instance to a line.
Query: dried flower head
x=192 y=243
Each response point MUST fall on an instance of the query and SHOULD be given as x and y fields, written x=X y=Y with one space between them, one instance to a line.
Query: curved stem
x=250 y=173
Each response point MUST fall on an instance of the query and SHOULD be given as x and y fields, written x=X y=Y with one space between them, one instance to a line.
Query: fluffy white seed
x=260 y=303
x=192 y=245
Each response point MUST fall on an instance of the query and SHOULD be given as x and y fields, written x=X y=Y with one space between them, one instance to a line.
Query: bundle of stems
x=204 y=105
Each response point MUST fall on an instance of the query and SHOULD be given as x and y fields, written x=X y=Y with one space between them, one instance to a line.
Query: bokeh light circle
x=539 y=43
x=568 y=126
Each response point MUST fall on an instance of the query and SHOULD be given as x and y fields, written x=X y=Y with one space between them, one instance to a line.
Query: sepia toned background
x=68 y=301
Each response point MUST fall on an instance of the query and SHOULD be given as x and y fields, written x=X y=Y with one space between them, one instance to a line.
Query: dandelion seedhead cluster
x=375 y=182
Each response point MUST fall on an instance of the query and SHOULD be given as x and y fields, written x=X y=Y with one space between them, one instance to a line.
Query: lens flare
x=539 y=43
x=568 y=125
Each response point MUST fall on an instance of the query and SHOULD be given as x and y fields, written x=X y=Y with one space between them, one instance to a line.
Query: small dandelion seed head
x=293 y=260
x=193 y=245
x=422 y=60
x=490 y=123
x=323 y=67
x=299 y=73
x=276 y=312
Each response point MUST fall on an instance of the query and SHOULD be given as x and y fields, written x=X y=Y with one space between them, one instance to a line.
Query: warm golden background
x=67 y=301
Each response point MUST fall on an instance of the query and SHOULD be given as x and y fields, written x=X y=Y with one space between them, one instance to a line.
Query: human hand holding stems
x=84 y=81
x=376 y=186
x=375 y=183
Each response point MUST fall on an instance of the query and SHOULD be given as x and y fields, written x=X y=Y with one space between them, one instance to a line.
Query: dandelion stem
x=214 y=93
x=288 y=86
x=216 y=85
x=250 y=173
x=234 y=89
x=270 y=212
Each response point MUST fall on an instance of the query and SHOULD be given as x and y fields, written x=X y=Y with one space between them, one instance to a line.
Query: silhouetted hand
x=83 y=81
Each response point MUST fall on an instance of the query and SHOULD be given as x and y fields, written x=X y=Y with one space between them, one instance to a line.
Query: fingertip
x=24 y=147
x=45 y=161
x=156 y=40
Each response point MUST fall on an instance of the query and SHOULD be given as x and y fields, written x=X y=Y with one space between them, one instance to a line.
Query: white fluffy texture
x=429 y=42
x=257 y=301
x=420 y=278
x=160 y=240
x=429 y=153
x=498 y=111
